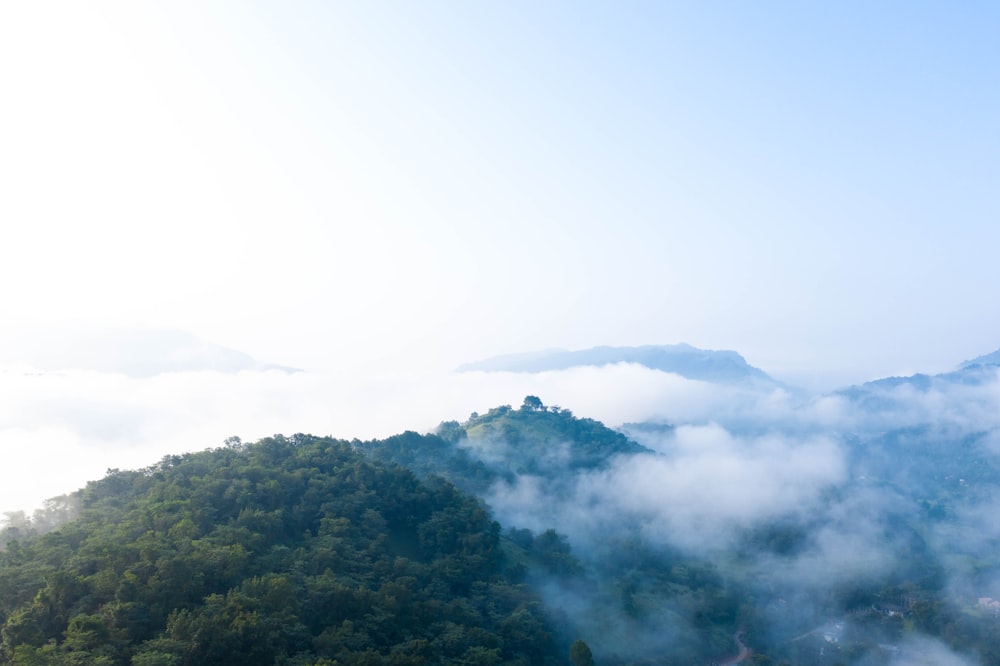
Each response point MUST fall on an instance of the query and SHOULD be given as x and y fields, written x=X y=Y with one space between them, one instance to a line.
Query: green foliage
x=288 y=551
x=532 y=404
x=535 y=439
x=434 y=455
x=537 y=432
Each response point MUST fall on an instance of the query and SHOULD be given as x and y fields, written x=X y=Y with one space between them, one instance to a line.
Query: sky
x=415 y=185
x=381 y=191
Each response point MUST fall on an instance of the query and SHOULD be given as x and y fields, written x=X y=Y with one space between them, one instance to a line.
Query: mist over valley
x=856 y=526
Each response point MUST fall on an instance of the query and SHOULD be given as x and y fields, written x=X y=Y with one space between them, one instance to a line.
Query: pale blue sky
x=375 y=185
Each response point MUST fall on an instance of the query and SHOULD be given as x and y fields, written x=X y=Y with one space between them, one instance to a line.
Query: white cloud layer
x=60 y=429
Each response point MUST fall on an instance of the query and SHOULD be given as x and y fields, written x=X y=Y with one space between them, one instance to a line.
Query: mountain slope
x=288 y=551
x=627 y=599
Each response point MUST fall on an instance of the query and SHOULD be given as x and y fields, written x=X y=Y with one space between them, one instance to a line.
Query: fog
x=850 y=476
x=692 y=496
x=62 y=427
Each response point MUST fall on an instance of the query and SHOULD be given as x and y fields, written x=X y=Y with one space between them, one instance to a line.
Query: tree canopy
x=288 y=551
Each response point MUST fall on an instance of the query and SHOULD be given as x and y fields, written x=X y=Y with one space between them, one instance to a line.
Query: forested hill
x=632 y=602
x=309 y=551
x=533 y=439
x=292 y=551
x=545 y=439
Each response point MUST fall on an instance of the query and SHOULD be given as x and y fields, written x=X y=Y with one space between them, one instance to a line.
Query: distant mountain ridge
x=974 y=372
x=974 y=375
x=723 y=366
x=137 y=352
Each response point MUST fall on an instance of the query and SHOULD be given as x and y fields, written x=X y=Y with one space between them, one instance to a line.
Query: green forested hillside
x=505 y=442
x=308 y=551
x=537 y=439
x=634 y=604
x=288 y=551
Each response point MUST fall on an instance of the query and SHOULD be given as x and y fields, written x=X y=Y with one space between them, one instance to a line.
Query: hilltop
x=503 y=443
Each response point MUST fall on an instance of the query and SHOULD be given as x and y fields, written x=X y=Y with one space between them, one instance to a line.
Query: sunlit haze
x=375 y=193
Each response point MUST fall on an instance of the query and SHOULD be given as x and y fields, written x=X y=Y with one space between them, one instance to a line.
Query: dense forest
x=499 y=541
x=287 y=551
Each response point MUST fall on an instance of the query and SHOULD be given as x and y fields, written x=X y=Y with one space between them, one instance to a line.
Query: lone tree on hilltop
x=532 y=404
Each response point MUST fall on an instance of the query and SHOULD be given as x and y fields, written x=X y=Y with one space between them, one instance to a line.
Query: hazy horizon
x=71 y=415
x=372 y=187
x=377 y=193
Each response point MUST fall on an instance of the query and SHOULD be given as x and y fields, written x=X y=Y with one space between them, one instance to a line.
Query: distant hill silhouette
x=682 y=359
x=136 y=352
x=975 y=372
